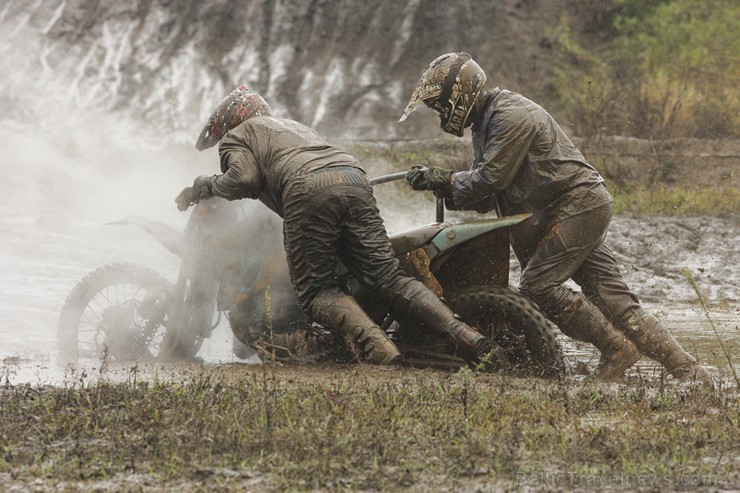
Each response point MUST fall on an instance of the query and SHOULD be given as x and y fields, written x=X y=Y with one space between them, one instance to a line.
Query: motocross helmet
x=449 y=85
x=241 y=104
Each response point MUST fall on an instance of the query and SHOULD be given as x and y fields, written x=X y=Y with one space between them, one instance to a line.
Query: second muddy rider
x=328 y=212
x=524 y=163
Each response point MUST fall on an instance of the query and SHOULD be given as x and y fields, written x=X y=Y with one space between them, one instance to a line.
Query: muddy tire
x=516 y=324
x=117 y=312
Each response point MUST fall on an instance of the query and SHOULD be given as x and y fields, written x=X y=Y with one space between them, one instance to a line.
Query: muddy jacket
x=263 y=155
x=524 y=162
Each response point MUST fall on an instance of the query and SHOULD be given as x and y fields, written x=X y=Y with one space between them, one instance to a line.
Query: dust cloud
x=68 y=172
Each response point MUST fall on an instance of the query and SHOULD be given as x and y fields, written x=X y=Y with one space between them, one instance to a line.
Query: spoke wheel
x=117 y=312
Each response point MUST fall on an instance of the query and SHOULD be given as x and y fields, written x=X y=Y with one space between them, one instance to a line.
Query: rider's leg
x=415 y=302
x=312 y=233
x=552 y=261
x=368 y=253
x=604 y=286
x=654 y=340
x=581 y=320
x=341 y=313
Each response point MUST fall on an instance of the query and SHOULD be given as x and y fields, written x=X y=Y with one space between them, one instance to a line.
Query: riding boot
x=583 y=321
x=374 y=343
x=343 y=315
x=654 y=341
x=431 y=313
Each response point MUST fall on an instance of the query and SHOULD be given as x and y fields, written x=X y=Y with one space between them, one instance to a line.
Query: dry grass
x=684 y=200
x=363 y=428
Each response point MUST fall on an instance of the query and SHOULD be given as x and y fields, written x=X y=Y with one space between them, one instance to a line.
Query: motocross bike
x=233 y=262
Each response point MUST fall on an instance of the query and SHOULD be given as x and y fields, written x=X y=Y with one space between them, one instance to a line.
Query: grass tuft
x=309 y=428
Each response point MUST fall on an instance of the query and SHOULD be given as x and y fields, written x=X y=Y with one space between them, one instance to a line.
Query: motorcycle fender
x=170 y=237
x=457 y=234
x=473 y=254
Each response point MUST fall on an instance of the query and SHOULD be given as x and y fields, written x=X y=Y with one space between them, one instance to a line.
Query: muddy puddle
x=43 y=256
x=713 y=343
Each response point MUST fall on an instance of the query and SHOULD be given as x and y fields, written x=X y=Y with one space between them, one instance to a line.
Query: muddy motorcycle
x=233 y=263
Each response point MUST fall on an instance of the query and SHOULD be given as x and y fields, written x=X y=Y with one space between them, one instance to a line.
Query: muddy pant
x=573 y=248
x=333 y=214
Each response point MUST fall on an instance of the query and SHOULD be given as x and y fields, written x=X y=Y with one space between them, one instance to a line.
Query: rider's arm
x=241 y=178
x=509 y=136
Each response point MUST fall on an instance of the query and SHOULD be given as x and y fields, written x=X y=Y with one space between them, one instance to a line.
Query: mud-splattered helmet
x=241 y=104
x=449 y=85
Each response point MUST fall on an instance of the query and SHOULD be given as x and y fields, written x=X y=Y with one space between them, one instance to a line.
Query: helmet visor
x=208 y=137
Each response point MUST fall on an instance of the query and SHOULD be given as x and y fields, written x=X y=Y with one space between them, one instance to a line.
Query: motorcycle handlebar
x=400 y=176
x=386 y=178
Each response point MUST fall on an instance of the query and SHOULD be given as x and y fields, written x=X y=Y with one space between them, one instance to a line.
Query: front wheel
x=117 y=312
x=515 y=324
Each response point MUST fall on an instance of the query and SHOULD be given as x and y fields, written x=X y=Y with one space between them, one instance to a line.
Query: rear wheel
x=117 y=312
x=515 y=324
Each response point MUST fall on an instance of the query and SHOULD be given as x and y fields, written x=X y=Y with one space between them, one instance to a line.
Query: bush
x=659 y=69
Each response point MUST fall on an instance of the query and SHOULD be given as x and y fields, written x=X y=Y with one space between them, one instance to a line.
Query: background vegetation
x=675 y=177
x=653 y=69
x=647 y=89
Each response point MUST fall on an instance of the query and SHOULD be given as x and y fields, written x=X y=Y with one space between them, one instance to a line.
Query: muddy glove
x=438 y=179
x=201 y=190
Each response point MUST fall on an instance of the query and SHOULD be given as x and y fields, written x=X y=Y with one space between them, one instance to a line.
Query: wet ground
x=43 y=255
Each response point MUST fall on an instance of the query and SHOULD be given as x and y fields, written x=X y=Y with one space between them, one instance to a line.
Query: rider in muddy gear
x=328 y=212
x=524 y=163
